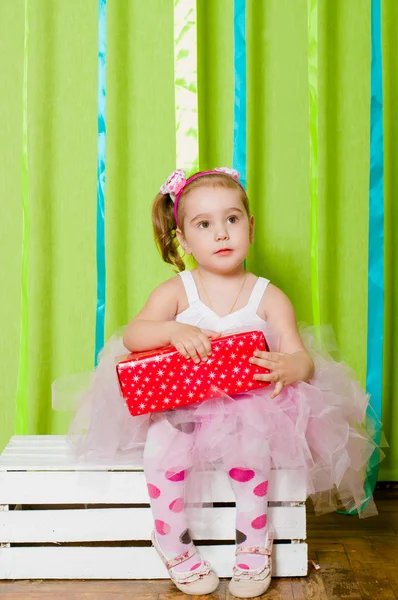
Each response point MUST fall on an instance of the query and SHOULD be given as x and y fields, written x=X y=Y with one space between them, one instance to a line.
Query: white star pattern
x=185 y=382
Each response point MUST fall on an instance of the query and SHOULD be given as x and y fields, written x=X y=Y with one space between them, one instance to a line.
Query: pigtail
x=164 y=227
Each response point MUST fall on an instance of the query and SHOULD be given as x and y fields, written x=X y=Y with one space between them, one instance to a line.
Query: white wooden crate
x=42 y=530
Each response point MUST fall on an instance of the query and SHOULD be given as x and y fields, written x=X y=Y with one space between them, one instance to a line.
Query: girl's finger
x=210 y=333
x=277 y=390
x=271 y=377
x=190 y=348
x=201 y=349
x=206 y=343
x=272 y=356
x=181 y=349
x=261 y=362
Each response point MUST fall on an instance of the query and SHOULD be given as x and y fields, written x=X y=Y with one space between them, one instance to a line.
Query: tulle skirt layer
x=324 y=427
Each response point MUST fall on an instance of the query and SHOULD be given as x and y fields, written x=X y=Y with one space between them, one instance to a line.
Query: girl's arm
x=152 y=326
x=292 y=363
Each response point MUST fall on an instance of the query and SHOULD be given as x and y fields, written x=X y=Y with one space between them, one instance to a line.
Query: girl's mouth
x=224 y=251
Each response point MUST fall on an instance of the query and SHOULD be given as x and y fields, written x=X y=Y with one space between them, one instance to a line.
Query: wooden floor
x=358 y=560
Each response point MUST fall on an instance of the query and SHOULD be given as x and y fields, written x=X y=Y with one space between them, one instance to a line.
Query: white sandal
x=200 y=581
x=254 y=582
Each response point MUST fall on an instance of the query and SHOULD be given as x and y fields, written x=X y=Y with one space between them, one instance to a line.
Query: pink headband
x=177 y=181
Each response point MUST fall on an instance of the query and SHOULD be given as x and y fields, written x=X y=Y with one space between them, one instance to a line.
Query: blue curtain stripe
x=100 y=246
x=374 y=369
x=239 y=148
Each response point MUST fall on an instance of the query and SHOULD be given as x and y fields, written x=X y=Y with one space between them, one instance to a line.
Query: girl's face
x=215 y=218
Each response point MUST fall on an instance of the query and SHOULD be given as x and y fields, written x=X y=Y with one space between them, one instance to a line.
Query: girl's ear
x=182 y=241
x=251 y=230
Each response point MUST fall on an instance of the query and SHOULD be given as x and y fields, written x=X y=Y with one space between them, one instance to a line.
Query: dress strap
x=190 y=286
x=257 y=293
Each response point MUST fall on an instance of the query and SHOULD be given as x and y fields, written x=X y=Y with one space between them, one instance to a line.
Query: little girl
x=311 y=416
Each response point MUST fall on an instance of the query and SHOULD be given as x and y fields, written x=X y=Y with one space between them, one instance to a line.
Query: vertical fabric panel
x=344 y=92
x=239 y=151
x=389 y=467
x=21 y=411
x=186 y=101
x=101 y=266
x=141 y=149
x=277 y=146
x=215 y=82
x=314 y=163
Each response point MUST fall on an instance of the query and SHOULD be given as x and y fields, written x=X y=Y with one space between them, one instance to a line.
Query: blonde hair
x=163 y=222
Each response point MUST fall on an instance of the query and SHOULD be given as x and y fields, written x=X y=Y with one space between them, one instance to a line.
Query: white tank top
x=201 y=315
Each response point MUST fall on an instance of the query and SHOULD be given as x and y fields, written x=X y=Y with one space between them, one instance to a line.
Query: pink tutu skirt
x=324 y=427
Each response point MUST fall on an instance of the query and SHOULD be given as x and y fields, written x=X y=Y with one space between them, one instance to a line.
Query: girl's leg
x=166 y=487
x=251 y=494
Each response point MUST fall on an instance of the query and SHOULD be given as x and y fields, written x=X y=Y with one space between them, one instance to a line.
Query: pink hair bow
x=174 y=184
x=231 y=172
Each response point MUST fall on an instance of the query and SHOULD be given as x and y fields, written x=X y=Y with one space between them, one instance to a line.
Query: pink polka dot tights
x=166 y=488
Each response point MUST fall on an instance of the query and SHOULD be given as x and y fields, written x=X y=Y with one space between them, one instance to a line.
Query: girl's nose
x=222 y=235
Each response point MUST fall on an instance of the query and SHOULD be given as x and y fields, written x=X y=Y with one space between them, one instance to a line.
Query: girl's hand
x=285 y=368
x=191 y=341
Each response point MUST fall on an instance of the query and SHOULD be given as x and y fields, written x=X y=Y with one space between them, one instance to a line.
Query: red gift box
x=163 y=379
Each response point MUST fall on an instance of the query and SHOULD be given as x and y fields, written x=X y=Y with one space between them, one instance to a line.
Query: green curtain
x=62 y=125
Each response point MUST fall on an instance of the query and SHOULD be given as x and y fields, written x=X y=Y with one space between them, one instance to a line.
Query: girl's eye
x=234 y=217
x=204 y=223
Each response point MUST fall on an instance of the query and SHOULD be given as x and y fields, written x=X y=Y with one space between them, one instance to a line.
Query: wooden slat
x=52 y=453
x=60 y=462
x=103 y=487
x=128 y=562
x=113 y=524
x=37 y=439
